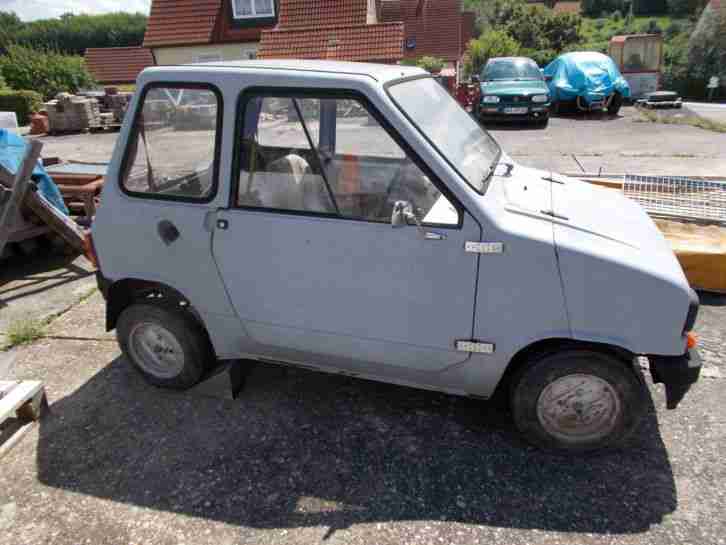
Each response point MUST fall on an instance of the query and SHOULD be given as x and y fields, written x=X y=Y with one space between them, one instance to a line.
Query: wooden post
x=21 y=184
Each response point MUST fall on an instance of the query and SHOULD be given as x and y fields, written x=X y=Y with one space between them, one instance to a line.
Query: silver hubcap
x=579 y=408
x=156 y=350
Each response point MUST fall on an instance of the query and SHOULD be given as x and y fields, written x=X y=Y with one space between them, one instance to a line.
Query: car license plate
x=515 y=110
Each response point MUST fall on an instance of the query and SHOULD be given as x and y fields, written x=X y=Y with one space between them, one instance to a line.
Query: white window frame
x=254 y=14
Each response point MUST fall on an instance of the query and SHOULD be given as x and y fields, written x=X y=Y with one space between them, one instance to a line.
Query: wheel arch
x=123 y=293
x=547 y=346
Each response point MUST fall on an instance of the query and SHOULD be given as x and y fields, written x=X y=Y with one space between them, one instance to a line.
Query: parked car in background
x=513 y=89
x=353 y=218
x=585 y=81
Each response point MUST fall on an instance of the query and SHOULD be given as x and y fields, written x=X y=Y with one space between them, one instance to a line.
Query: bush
x=541 y=56
x=47 y=72
x=23 y=103
x=495 y=43
x=599 y=23
x=653 y=27
x=673 y=30
x=431 y=64
x=617 y=15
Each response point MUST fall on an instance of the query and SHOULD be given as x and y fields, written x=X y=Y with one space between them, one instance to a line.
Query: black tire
x=614 y=380
x=615 y=104
x=542 y=123
x=192 y=344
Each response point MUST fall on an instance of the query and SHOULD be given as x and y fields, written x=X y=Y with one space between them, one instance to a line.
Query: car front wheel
x=165 y=344
x=615 y=104
x=577 y=400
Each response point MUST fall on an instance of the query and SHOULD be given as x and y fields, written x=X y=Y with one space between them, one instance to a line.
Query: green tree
x=495 y=43
x=74 y=33
x=707 y=45
x=46 y=72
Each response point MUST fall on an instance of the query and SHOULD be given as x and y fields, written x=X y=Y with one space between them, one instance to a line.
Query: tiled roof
x=436 y=27
x=181 y=22
x=391 y=10
x=312 y=13
x=379 y=42
x=117 y=64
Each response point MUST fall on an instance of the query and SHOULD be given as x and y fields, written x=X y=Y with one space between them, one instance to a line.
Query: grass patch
x=648 y=116
x=24 y=332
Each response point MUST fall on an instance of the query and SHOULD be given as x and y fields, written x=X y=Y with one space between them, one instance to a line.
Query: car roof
x=497 y=59
x=379 y=72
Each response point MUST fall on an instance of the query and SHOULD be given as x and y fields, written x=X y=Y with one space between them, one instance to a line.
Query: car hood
x=512 y=87
x=573 y=204
x=606 y=213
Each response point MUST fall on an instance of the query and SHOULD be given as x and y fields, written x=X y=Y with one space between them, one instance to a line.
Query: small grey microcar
x=355 y=219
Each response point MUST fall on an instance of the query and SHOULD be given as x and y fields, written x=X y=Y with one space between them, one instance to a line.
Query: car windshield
x=511 y=70
x=470 y=150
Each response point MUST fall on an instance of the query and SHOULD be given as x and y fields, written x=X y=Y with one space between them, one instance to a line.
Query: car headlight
x=490 y=99
x=539 y=98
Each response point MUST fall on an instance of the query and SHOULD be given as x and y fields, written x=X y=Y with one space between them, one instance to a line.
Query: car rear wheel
x=165 y=344
x=577 y=400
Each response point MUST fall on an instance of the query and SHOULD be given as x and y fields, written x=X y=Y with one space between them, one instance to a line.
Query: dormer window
x=248 y=9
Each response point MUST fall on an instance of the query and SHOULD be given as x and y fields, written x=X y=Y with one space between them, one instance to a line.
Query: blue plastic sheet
x=587 y=74
x=12 y=152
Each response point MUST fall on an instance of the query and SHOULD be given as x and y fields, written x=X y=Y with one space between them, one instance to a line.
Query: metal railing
x=678 y=197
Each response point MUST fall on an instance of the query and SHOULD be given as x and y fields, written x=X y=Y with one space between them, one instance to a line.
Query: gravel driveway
x=303 y=457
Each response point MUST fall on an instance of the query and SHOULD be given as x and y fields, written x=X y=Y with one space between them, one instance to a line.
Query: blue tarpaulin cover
x=12 y=152
x=590 y=75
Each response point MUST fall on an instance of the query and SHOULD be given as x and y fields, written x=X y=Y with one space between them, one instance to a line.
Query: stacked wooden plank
x=24 y=400
x=19 y=200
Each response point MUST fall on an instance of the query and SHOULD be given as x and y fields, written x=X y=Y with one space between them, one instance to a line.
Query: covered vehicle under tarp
x=591 y=79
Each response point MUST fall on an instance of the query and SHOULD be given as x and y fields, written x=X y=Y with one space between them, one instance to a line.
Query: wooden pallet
x=24 y=400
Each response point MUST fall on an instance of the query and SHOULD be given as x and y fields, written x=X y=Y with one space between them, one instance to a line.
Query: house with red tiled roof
x=116 y=65
x=333 y=29
x=185 y=31
x=433 y=28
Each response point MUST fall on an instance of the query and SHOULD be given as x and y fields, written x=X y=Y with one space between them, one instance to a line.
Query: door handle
x=167 y=231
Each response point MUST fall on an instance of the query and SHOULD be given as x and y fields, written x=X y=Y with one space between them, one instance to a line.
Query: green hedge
x=23 y=103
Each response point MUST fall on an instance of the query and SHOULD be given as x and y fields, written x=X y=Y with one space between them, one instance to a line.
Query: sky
x=29 y=10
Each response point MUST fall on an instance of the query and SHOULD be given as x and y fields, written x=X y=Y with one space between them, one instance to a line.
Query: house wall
x=190 y=54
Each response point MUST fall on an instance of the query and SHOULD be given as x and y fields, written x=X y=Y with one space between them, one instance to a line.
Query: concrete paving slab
x=41 y=285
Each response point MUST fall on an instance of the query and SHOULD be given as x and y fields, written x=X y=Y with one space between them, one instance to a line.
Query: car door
x=159 y=192
x=308 y=253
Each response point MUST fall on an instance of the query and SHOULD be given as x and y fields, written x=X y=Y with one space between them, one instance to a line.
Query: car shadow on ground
x=22 y=276
x=302 y=449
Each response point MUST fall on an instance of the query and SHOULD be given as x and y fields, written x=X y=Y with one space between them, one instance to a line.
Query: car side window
x=331 y=156
x=172 y=147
